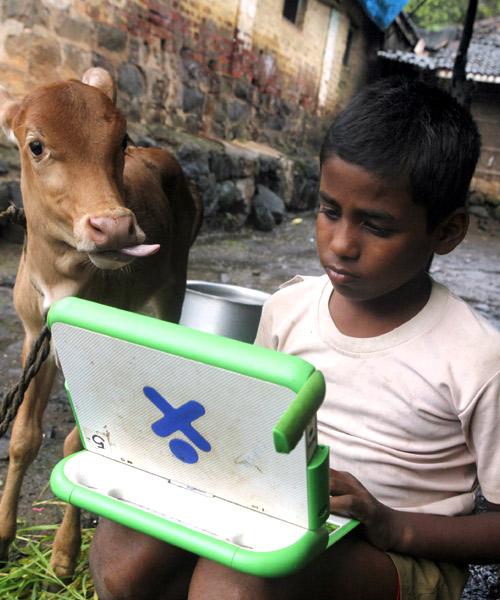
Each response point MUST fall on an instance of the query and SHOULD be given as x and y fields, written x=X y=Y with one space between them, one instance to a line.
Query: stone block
x=5 y=195
x=159 y=90
x=76 y=59
x=111 y=38
x=479 y=211
x=305 y=195
x=270 y=174
x=207 y=186
x=29 y=12
x=262 y=218
x=237 y=110
x=246 y=166
x=192 y=100
x=191 y=70
x=219 y=111
x=242 y=90
x=214 y=84
x=18 y=9
x=220 y=165
x=76 y=30
x=305 y=182
x=131 y=80
x=275 y=122
x=194 y=161
x=218 y=129
x=266 y=199
x=193 y=123
x=229 y=199
x=38 y=52
x=10 y=193
x=134 y=50
x=246 y=188
x=98 y=60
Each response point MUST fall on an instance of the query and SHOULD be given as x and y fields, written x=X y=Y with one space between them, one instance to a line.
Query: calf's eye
x=36 y=147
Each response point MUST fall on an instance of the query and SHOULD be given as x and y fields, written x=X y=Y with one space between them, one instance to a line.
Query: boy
x=413 y=374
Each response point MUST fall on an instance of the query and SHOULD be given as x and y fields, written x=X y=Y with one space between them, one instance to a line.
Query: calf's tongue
x=141 y=250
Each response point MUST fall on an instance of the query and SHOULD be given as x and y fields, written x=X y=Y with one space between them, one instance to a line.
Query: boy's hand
x=349 y=498
x=436 y=537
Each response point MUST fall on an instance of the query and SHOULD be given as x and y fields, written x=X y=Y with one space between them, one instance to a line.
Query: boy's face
x=372 y=238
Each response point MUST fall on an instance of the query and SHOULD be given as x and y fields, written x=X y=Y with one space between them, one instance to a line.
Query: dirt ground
x=247 y=258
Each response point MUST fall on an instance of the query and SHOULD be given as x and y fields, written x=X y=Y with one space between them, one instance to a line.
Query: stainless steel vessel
x=228 y=310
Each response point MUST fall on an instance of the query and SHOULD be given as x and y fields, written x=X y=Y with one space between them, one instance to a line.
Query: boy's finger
x=343 y=505
x=342 y=482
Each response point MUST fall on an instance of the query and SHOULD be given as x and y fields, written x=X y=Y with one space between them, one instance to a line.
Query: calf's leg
x=25 y=442
x=67 y=543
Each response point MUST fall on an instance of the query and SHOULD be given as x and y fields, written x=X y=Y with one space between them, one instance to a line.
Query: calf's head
x=72 y=141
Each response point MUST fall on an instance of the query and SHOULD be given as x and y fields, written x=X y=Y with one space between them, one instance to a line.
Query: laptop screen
x=197 y=424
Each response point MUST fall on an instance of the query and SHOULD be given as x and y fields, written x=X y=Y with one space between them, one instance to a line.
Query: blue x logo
x=179 y=419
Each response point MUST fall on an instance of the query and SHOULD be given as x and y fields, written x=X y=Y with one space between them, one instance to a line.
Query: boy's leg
x=351 y=569
x=128 y=565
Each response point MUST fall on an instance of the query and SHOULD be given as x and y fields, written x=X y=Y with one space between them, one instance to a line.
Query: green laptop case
x=202 y=441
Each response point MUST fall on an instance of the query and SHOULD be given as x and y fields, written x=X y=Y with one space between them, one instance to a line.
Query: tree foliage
x=436 y=14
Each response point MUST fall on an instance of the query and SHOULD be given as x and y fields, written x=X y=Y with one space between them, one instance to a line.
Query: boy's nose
x=344 y=242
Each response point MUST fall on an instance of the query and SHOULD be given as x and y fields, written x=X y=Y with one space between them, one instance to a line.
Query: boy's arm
x=472 y=538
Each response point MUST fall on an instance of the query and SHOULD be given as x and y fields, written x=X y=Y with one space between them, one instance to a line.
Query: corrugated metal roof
x=483 y=56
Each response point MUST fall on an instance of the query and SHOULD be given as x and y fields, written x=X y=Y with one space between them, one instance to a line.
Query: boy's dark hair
x=398 y=128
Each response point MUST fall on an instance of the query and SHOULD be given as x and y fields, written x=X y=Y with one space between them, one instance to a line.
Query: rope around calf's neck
x=39 y=352
x=14 y=397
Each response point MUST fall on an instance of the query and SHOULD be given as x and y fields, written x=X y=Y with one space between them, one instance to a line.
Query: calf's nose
x=112 y=233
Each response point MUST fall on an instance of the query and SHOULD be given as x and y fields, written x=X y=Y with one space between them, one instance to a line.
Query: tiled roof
x=483 y=56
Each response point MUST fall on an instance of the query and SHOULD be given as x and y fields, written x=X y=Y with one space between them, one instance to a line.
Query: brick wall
x=226 y=68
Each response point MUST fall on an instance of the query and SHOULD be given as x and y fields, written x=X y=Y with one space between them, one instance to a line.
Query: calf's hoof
x=4 y=550
x=63 y=565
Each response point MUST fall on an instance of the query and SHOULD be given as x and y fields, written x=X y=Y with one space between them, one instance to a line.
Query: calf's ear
x=8 y=110
x=102 y=80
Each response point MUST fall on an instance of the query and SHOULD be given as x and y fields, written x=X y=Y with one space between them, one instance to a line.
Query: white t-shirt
x=414 y=414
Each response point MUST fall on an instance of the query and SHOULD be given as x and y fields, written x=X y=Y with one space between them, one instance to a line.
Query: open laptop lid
x=201 y=441
x=202 y=411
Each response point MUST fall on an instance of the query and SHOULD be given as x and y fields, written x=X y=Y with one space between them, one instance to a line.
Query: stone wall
x=223 y=68
x=199 y=76
x=239 y=182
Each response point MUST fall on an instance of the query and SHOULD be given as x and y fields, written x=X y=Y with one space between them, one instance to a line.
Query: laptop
x=202 y=441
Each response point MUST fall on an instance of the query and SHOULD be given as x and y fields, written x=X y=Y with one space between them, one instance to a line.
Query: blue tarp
x=383 y=12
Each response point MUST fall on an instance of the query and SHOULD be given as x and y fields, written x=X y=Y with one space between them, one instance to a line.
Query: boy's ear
x=451 y=231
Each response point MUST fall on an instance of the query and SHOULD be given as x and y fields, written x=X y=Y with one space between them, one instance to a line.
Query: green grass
x=28 y=576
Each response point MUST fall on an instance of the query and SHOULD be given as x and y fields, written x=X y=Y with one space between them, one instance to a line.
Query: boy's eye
x=376 y=229
x=329 y=212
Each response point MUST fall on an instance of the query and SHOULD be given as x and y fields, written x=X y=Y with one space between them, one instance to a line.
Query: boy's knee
x=127 y=565
x=127 y=578
x=212 y=581
x=114 y=577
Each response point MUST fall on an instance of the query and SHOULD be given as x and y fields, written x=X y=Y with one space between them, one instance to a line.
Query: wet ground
x=247 y=258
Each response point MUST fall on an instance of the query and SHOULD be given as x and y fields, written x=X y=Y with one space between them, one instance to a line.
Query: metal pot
x=228 y=310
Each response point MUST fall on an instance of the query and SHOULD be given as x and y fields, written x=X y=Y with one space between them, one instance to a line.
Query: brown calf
x=105 y=222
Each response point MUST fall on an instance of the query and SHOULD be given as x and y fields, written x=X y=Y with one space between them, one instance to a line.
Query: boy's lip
x=338 y=275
